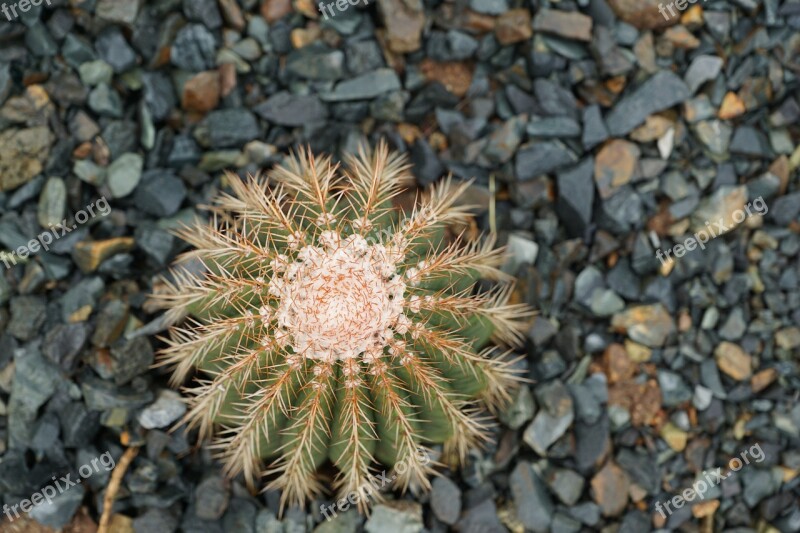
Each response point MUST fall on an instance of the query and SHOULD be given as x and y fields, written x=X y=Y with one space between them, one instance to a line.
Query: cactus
x=326 y=324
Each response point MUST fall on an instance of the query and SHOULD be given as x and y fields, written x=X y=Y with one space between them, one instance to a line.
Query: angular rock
x=610 y=489
x=23 y=154
x=661 y=91
x=287 y=109
x=567 y=24
x=650 y=325
x=535 y=159
x=404 y=21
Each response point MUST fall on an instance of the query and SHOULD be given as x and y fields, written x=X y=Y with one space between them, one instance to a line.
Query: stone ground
x=610 y=133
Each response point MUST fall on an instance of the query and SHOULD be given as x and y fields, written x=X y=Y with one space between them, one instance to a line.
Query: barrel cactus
x=324 y=323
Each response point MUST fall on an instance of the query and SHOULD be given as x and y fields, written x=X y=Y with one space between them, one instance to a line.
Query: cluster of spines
x=265 y=405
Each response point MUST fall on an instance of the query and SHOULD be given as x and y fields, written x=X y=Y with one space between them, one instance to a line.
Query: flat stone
x=201 y=92
x=610 y=489
x=118 y=11
x=194 y=49
x=124 y=174
x=531 y=499
x=715 y=215
x=567 y=24
x=167 y=408
x=404 y=21
x=535 y=159
x=89 y=255
x=52 y=203
x=661 y=91
x=232 y=128
x=650 y=325
x=644 y=14
x=446 y=500
x=513 y=26
x=369 y=85
x=616 y=164
x=553 y=420
x=23 y=154
x=395 y=517
x=287 y=109
x=702 y=69
x=733 y=361
x=576 y=196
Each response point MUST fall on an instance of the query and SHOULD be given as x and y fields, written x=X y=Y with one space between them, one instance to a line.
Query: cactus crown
x=326 y=325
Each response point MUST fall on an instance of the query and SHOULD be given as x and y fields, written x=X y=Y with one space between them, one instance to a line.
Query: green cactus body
x=327 y=325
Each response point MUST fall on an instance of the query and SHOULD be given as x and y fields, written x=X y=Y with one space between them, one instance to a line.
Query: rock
x=650 y=325
x=733 y=361
x=212 y=496
x=89 y=255
x=427 y=167
x=155 y=519
x=59 y=510
x=118 y=11
x=594 y=128
x=194 y=49
x=455 y=76
x=404 y=21
x=94 y=73
x=610 y=489
x=399 y=517
x=715 y=135
x=553 y=419
x=576 y=197
x=489 y=7
x=661 y=91
x=520 y=411
x=732 y=106
x=124 y=174
x=287 y=109
x=616 y=164
x=39 y=41
x=317 y=63
x=167 y=408
x=531 y=500
x=675 y=437
x=703 y=68
x=63 y=343
x=158 y=94
x=160 y=193
x=130 y=358
x=644 y=14
x=112 y=48
x=52 y=203
x=513 y=26
x=446 y=500
x=567 y=485
x=23 y=154
x=535 y=159
x=364 y=87
x=231 y=128
x=27 y=316
x=719 y=213
x=201 y=92
x=205 y=12
x=567 y=24
x=103 y=100
x=274 y=10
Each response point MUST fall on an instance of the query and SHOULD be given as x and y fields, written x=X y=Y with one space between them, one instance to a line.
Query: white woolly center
x=340 y=300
